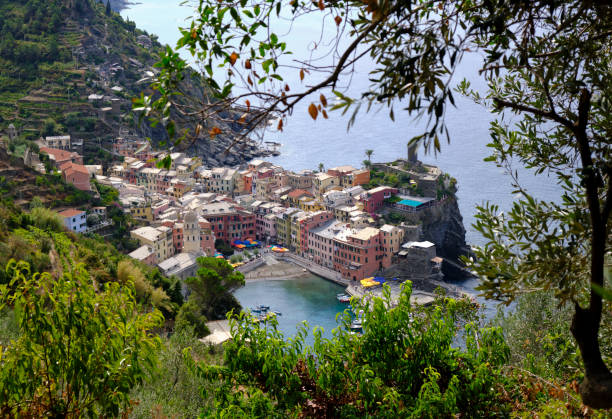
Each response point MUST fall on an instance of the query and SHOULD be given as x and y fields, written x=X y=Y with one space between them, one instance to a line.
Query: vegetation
x=53 y=55
x=224 y=247
x=173 y=390
x=79 y=352
x=212 y=287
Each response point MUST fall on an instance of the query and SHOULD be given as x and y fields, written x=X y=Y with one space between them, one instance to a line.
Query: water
x=310 y=298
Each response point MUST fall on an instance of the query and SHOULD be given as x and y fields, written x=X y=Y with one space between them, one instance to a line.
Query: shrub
x=47 y=220
x=78 y=350
x=406 y=364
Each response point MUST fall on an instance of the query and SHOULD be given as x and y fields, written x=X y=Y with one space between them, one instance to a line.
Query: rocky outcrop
x=443 y=225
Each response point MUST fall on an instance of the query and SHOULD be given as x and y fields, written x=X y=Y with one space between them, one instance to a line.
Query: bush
x=47 y=220
x=405 y=364
x=78 y=350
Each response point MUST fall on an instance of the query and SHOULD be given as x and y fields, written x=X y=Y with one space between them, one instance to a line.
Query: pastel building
x=74 y=220
x=322 y=182
x=308 y=222
x=320 y=243
x=77 y=175
x=357 y=253
x=144 y=254
x=392 y=238
x=374 y=199
x=228 y=221
x=159 y=238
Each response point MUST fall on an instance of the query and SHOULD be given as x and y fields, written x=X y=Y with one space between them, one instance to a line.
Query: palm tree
x=321 y=167
x=367 y=163
x=369 y=153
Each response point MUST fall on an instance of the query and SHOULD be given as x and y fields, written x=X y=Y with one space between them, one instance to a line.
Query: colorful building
x=229 y=222
x=357 y=253
x=159 y=238
x=374 y=199
x=75 y=220
x=77 y=175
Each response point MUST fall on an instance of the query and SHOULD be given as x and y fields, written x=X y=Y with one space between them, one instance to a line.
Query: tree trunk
x=596 y=388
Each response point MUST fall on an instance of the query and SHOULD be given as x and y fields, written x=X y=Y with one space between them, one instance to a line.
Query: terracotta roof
x=298 y=193
x=69 y=168
x=70 y=213
x=59 y=155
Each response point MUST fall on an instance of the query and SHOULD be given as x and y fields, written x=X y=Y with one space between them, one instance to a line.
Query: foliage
x=224 y=247
x=212 y=287
x=79 y=352
x=190 y=317
x=173 y=390
x=404 y=364
x=46 y=219
x=144 y=291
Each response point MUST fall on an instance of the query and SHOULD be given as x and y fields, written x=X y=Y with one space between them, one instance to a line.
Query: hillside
x=71 y=67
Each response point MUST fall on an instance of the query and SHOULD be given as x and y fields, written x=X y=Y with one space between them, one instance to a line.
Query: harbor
x=283 y=287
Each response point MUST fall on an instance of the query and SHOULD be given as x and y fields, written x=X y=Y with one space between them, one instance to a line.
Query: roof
x=57 y=137
x=379 y=189
x=422 y=245
x=298 y=193
x=148 y=233
x=344 y=169
x=365 y=233
x=388 y=228
x=69 y=168
x=142 y=252
x=59 y=155
x=178 y=263
x=72 y=212
x=323 y=176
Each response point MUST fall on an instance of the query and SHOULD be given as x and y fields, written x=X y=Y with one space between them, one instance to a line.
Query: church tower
x=191 y=233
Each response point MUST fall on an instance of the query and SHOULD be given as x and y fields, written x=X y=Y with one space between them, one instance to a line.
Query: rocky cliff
x=443 y=226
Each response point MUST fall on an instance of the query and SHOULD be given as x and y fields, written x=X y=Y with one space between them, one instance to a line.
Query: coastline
x=285 y=269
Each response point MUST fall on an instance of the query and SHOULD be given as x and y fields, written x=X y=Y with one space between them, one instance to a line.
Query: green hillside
x=55 y=53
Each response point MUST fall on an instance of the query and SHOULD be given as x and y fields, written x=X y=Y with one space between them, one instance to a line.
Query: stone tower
x=191 y=233
x=412 y=153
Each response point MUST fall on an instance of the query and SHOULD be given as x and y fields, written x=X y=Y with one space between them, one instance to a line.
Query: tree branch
x=539 y=112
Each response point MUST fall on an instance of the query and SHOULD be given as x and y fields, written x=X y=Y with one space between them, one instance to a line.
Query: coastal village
x=330 y=222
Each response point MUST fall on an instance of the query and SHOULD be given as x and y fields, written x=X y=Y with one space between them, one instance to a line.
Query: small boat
x=356 y=324
x=261 y=307
x=343 y=298
x=277 y=313
x=267 y=316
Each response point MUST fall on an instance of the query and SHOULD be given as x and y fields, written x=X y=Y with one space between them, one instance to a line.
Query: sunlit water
x=310 y=298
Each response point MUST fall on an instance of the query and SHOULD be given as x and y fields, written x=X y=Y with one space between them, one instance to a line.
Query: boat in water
x=343 y=298
x=264 y=313
x=260 y=309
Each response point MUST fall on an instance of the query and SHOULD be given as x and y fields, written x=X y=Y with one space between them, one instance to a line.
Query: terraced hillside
x=56 y=54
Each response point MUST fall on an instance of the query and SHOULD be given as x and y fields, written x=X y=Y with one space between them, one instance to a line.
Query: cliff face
x=71 y=69
x=443 y=226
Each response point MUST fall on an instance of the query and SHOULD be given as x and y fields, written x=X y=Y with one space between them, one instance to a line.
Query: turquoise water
x=410 y=203
x=310 y=298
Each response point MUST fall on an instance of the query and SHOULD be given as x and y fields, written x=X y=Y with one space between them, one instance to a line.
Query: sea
x=305 y=143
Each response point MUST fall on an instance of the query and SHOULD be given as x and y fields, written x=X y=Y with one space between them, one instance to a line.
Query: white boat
x=343 y=298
